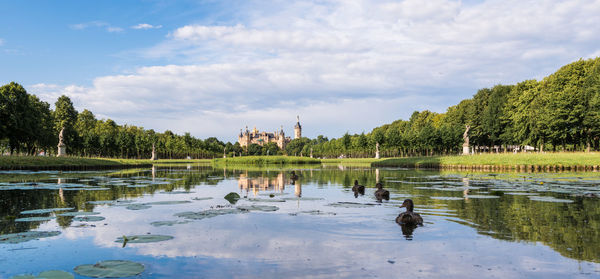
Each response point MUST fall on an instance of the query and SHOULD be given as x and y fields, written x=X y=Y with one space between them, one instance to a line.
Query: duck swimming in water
x=409 y=217
x=358 y=188
x=381 y=194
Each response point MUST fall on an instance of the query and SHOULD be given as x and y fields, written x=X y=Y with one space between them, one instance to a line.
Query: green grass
x=41 y=162
x=502 y=159
x=266 y=160
x=351 y=162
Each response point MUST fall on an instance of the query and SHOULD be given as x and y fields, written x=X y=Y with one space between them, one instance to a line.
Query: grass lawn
x=41 y=162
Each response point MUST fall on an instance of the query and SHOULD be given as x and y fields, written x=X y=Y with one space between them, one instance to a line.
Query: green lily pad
x=481 y=197
x=548 y=199
x=144 y=238
x=168 y=223
x=207 y=213
x=138 y=206
x=45 y=210
x=447 y=198
x=79 y=213
x=314 y=212
x=258 y=207
x=34 y=219
x=202 y=199
x=137 y=186
x=88 y=218
x=272 y=194
x=303 y=199
x=166 y=202
x=520 y=194
x=266 y=200
x=178 y=192
x=50 y=274
x=26 y=236
x=110 y=269
x=351 y=204
x=232 y=197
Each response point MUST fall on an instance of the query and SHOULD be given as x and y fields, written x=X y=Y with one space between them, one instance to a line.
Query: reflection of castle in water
x=257 y=184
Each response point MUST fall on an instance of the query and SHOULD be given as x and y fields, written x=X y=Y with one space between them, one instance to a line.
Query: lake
x=173 y=222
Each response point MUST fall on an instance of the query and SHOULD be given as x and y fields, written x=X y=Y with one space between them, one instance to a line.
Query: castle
x=245 y=138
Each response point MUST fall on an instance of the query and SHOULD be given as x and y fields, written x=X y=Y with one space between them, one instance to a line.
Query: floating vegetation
x=110 y=202
x=34 y=219
x=110 y=269
x=265 y=200
x=303 y=199
x=88 y=218
x=481 y=197
x=314 y=212
x=232 y=197
x=79 y=213
x=178 y=192
x=50 y=274
x=520 y=193
x=168 y=223
x=45 y=210
x=138 y=206
x=258 y=207
x=272 y=194
x=137 y=186
x=548 y=199
x=202 y=199
x=207 y=213
x=447 y=198
x=166 y=202
x=351 y=204
x=143 y=238
x=26 y=236
x=86 y=189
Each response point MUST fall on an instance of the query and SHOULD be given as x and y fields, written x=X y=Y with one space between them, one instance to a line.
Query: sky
x=213 y=67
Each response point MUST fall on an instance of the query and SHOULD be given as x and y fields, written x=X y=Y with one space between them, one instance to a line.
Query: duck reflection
x=407 y=230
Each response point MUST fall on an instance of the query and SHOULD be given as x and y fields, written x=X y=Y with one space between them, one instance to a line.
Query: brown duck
x=381 y=194
x=409 y=217
x=358 y=188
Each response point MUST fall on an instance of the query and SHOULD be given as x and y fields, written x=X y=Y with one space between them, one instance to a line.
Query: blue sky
x=213 y=67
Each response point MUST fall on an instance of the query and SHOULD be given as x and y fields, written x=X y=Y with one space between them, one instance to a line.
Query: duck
x=381 y=194
x=409 y=217
x=293 y=176
x=358 y=188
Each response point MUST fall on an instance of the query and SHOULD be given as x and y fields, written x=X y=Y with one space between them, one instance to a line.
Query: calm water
x=477 y=225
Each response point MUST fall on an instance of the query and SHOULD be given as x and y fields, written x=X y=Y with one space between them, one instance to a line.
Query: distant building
x=245 y=138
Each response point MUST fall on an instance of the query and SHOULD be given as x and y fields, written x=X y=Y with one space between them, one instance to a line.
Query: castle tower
x=297 y=129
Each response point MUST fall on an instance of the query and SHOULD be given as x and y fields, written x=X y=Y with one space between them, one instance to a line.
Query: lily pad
x=166 y=202
x=272 y=194
x=351 y=204
x=207 y=213
x=232 y=197
x=549 y=199
x=265 y=208
x=50 y=274
x=202 y=199
x=481 y=197
x=144 y=238
x=167 y=223
x=88 y=218
x=447 y=198
x=266 y=200
x=138 y=206
x=45 y=210
x=110 y=269
x=79 y=213
x=303 y=199
x=178 y=192
x=26 y=236
x=137 y=186
x=520 y=194
x=34 y=219
x=314 y=212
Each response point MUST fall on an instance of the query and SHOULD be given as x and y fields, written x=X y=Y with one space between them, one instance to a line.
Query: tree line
x=559 y=113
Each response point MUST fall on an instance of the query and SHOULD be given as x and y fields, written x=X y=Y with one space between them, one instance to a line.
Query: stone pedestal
x=62 y=150
x=466 y=150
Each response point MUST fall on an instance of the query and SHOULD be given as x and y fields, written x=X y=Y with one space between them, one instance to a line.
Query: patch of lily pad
x=202 y=198
x=88 y=218
x=481 y=197
x=110 y=269
x=447 y=198
x=303 y=199
x=34 y=219
x=314 y=212
x=50 y=274
x=14 y=238
x=265 y=200
x=143 y=238
x=168 y=223
x=79 y=213
x=351 y=204
x=166 y=202
x=45 y=210
x=232 y=197
x=549 y=199
x=138 y=206
x=207 y=213
x=255 y=207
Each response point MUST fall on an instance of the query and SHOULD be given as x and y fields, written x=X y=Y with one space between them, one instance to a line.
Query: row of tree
x=560 y=112
x=29 y=126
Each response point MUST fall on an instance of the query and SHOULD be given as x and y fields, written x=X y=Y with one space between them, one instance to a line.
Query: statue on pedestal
x=466 y=139
x=154 y=157
x=62 y=147
x=376 y=150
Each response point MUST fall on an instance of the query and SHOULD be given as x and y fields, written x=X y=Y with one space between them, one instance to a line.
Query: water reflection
x=467 y=216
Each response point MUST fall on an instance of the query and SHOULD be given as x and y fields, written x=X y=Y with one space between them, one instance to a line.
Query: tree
x=65 y=116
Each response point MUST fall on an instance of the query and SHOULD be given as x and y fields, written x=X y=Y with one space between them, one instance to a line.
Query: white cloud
x=98 y=24
x=146 y=26
x=342 y=65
